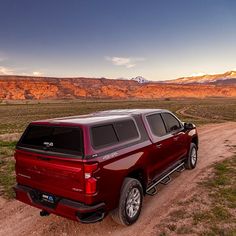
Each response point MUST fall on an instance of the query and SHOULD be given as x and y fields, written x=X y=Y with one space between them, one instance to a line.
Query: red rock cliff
x=22 y=87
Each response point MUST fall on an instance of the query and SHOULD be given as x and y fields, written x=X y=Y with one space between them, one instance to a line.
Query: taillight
x=90 y=181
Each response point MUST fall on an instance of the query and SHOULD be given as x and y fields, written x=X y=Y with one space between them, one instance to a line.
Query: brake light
x=91 y=186
x=90 y=181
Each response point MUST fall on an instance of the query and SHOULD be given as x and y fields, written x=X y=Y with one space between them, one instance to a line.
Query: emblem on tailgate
x=48 y=144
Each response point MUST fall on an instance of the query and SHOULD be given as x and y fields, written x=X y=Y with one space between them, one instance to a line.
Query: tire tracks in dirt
x=184 y=112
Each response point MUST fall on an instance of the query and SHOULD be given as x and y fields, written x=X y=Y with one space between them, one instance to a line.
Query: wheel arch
x=139 y=174
x=195 y=141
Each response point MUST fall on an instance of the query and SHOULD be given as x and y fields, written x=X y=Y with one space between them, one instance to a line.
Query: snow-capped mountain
x=140 y=80
x=226 y=78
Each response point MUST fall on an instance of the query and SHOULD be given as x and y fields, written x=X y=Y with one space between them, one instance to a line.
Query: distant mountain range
x=139 y=79
x=28 y=87
x=217 y=79
x=220 y=79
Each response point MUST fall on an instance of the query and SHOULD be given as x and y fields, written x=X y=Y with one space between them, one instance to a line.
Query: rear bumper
x=63 y=207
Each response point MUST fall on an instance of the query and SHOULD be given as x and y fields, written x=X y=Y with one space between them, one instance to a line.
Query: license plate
x=47 y=198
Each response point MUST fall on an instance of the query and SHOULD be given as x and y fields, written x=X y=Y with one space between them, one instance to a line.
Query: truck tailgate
x=59 y=176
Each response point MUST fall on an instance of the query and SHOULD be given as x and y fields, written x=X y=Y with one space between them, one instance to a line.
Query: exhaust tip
x=44 y=213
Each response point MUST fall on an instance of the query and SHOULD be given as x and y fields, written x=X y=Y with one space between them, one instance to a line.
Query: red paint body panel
x=64 y=177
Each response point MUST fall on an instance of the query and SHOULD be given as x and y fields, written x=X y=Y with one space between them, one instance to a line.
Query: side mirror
x=175 y=127
x=189 y=126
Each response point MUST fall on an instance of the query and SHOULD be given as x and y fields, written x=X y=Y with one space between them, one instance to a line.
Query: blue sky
x=157 y=39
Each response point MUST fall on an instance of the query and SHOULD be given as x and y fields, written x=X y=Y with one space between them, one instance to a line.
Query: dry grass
x=211 y=210
x=15 y=117
x=7 y=167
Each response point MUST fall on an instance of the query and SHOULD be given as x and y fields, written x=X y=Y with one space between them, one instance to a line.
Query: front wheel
x=191 y=160
x=130 y=203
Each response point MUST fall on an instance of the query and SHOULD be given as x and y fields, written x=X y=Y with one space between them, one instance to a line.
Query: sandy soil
x=215 y=140
x=10 y=137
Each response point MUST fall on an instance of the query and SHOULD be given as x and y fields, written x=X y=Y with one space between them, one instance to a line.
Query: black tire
x=120 y=215
x=191 y=162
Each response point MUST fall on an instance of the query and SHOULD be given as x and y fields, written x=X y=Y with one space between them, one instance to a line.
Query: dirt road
x=215 y=141
x=185 y=113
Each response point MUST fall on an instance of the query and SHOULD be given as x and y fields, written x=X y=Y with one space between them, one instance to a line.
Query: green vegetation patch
x=6 y=148
x=7 y=167
x=212 y=211
x=7 y=177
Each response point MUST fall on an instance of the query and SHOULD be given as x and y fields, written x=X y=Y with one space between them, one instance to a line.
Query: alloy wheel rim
x=194 y=156
x=133 y=202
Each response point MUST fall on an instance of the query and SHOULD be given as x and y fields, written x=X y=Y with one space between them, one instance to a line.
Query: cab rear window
x=67 y=140
x=111 y=134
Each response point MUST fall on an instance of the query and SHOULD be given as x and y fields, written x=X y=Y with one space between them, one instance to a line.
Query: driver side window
x=171 y=122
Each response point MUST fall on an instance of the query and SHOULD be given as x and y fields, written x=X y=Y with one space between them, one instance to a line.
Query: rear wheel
x=130 y=203
x=191 y=160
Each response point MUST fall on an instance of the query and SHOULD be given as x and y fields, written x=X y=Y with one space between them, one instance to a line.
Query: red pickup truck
x=83 y=167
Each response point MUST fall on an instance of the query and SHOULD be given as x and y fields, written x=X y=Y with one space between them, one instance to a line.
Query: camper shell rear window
x=58 y=139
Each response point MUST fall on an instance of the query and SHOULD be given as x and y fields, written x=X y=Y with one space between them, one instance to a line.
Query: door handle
x=159 y=145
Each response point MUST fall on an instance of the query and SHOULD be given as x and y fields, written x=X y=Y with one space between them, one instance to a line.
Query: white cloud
x=128 y=62
x=37 y=73
x=130 y=65
x=6 y=71
x=18 y=71
x=198 y=74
